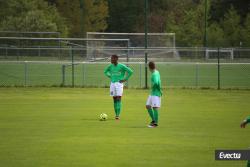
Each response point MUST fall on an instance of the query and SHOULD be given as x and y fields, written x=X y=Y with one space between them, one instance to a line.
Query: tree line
x=227 y=23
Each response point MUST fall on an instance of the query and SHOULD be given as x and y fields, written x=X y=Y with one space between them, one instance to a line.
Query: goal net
x=20 y=48
x=99 y=50
x=160 y=45
x=225 y=53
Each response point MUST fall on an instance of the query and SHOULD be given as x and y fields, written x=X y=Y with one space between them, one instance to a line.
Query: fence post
x=6 y=53
x=146 y=70
x=218 y=68
x=83 y=77
x=39 y=51
x=18 y=53
x=25 y=73
x=128 y=50
x=196 y=74
x=140 y=76
x=146 y=43
x=60 y=47
x=72 y=66
x=63 y=75
x=127 y=59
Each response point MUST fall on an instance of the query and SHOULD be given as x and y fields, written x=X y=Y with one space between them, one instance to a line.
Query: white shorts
x=116 y=89
x=154 y=101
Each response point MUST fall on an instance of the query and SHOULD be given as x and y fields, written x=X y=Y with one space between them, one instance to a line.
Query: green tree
x=124 y=15
x=232 y=28
x=220 y=7
x=88 y=16
x=31 y=15
x=70 y=10
x=158 y=14
x=97 y=15
x=187 y=24
x=246 y=32
x=215 y=36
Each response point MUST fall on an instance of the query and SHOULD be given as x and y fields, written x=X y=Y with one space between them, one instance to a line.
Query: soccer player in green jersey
x=154 y=99
x=245 y=122
x=243 y=125
x=116 y=72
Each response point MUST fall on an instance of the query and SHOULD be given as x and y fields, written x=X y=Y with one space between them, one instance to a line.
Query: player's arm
x=245 y=122
x=107 y=72
x=129 y=73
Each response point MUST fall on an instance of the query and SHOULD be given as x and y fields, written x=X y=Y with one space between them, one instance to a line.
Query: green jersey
x=248 y=119
x=117 y=72
x=156 y=83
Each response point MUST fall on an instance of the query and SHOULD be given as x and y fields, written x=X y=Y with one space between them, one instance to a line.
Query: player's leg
x=156 y=114
x=150 y=109
x=115 y=105
x=118 y=93
x=113 y=94
x=156 y=104
x=119 y=106
x=150 y=113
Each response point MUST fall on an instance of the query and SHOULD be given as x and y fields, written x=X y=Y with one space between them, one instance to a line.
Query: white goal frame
x=136 y=42
x=223 y=50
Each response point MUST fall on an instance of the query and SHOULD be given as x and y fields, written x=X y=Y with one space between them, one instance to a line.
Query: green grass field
x=172 y=75
x=59 y=127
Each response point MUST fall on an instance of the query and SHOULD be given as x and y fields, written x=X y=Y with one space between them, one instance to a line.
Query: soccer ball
x=103 y=117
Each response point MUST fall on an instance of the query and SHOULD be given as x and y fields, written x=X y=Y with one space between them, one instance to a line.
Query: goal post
x=225 y=53
x=137 y=39
x=160 y=45
x=102 y=50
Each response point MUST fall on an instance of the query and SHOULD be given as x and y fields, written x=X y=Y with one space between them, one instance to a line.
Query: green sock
x=115 y=107
x=119 y=106
x=155 y=115
x=151 y=114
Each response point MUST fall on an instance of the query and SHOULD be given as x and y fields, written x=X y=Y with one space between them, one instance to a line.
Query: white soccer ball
x=103 y=117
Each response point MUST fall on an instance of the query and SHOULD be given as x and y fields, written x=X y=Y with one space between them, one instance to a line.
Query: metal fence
x=179 y=67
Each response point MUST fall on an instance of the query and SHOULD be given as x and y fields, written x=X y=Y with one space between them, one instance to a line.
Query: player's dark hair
x=151 y=65
x=115 y=56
